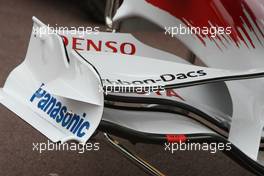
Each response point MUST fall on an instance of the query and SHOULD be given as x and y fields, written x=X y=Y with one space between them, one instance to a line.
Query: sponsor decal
x=82 y=44
x=60 y=113
x=165 y=78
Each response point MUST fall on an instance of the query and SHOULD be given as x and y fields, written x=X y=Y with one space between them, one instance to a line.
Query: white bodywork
x=74 y=81
x=247 y=96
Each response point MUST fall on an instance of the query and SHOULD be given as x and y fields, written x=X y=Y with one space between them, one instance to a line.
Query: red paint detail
x=65 y=40
x=110 y=45
x=100 y=45
x=95 y=47
x=220 y=13
x=172 y=138
x=172 y=93
x=132 y=48
x=76 y=44
x=158 y=92
x=169 y=93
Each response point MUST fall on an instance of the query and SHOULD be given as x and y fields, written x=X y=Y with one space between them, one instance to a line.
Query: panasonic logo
x=60 y=113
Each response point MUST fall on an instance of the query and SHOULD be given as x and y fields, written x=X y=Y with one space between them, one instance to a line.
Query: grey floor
x=16 y=136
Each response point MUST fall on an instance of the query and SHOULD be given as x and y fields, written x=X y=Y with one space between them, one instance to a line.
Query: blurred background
x=16 y=155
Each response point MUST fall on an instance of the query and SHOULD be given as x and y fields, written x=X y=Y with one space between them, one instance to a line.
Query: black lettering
x=149 y=80
x=181 y=76
x=167 y=77
x=137 y=82
x=201 y=73
x=191 y=74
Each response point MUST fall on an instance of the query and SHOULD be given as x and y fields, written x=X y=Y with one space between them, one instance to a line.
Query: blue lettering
x=38 y=93
x=56 y=110
x=65 y=121
x=75 y=119
x=85 y=125
x=43 y=102
x=62 y=113
x=59 y=113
